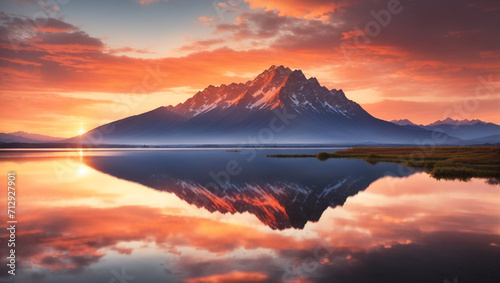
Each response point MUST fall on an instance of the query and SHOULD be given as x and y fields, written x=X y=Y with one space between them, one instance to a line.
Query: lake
x=220 y=215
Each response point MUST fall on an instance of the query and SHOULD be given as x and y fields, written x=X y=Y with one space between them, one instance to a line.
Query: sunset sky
x=68 y=65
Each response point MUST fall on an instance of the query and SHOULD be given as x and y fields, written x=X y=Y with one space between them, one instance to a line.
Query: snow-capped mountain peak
x=277 y=86
x=252 y=95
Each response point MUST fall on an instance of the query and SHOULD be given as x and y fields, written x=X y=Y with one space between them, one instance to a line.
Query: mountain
x=473 y=131
x=279 y=106
x=9 y=138
x=403 y=122
x=23 y=137
x=466 y=129
x=449 y=121
x=36 y=137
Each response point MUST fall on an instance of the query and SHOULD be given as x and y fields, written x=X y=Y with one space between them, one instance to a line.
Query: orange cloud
x=20 y=61
x=201 y=45
x=299 y=8
x=231 y=277
x=53 y=25
x=129 y=50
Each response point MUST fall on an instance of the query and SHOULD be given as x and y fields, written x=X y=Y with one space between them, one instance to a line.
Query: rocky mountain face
x=274 y=88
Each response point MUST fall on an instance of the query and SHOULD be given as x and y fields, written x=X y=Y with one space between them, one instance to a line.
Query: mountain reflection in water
x=159 y=216
x=281 y=193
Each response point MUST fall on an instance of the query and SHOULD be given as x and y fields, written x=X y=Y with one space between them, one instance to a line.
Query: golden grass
x=457 y=162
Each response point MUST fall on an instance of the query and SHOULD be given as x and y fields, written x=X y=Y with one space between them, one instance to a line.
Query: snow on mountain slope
x=275 y=87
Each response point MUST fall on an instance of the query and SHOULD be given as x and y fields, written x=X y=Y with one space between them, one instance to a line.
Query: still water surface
x=221 y=216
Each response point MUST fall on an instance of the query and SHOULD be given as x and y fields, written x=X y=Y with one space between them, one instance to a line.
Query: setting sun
x=81 y=131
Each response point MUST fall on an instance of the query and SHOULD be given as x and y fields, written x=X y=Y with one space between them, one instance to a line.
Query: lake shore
x=453 y=162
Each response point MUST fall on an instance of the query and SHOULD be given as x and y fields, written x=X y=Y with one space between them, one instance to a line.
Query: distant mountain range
x=472 y=131
x=23 y=137
x=449 y=121
x=279 y=106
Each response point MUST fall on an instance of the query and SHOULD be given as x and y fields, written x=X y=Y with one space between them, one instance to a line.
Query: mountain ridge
x=450 y=121
x=24 y=137
x=36 y=137
x=447 y=121
x=8 y=138
x=469 y=130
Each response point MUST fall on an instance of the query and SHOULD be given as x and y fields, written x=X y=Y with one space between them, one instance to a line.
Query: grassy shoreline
x=455 y=162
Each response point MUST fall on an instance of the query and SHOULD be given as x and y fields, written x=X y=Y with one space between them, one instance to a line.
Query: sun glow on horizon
x=81 y=131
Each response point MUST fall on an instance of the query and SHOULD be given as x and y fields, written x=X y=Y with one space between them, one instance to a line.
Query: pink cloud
x=147 y=2
x=205 y=19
